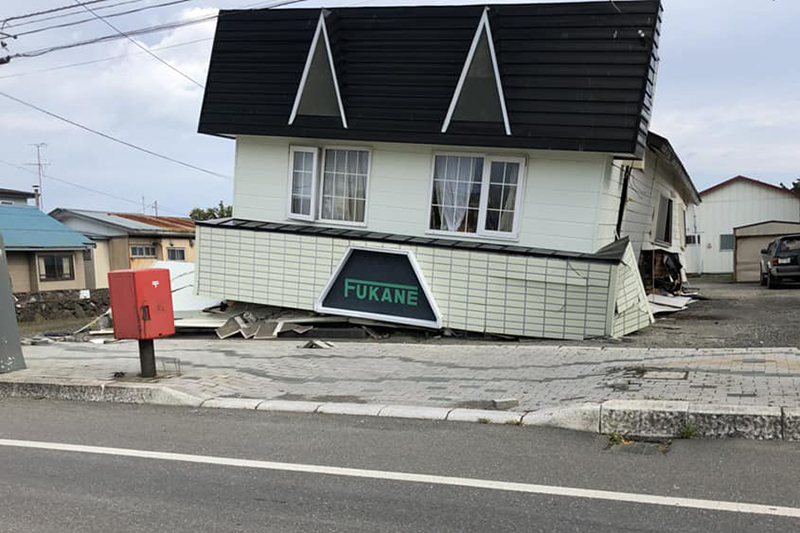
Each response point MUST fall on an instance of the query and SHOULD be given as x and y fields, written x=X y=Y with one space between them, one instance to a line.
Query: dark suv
x=780 y=261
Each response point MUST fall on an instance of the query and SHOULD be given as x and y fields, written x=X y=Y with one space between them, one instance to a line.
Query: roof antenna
x=615 y=6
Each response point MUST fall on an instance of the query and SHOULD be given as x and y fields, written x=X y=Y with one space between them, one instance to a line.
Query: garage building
x=753 y=238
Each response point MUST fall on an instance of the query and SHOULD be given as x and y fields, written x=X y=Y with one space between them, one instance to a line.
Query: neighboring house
x=14 y=197
x=488 y=143
x=734 y=203
x=658 y=197
x=43 y=254
x=130 y=240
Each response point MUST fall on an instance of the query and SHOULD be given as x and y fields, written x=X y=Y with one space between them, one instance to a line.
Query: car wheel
x=772 y=283
x=763 y=279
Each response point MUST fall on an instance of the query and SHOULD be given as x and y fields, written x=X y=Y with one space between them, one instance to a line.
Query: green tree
x=796 y=186
x=220 y=211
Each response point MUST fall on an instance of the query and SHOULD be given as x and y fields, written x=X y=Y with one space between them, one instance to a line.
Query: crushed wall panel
x=556 y=298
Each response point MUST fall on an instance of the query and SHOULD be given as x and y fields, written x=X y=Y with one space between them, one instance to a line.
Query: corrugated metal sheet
x=134 y=222
x=27 y=228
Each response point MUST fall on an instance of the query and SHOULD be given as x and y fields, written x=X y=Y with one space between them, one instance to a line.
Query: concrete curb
x=630 y=418
x=98 y=391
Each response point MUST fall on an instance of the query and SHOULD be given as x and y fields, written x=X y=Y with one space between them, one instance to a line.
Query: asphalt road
x=102 y=490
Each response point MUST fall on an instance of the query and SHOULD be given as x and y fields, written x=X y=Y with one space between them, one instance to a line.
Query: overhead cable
x=114 y=139
x=27 y=22
x=90 y=19
x=102 y=59
x=85 y=188
x=141 y=47
x=143 y=31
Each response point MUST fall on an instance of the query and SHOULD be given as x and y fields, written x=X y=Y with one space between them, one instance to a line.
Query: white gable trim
x=323 y=30
x=484 y=23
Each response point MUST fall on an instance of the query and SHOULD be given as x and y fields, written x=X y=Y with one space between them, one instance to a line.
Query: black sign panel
x=383 y=285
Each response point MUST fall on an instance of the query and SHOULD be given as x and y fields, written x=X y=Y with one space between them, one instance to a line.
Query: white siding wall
x=608 y=205
x=570 y=199
x=644 y=196
x=631 y=308
x=737 y=204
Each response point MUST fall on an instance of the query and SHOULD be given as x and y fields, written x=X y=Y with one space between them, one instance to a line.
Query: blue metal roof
x=27 y=228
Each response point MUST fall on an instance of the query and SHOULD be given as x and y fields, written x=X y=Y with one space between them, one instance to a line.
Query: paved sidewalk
x=442 y=375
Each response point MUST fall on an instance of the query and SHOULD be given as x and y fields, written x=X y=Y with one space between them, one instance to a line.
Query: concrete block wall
x=477 y=291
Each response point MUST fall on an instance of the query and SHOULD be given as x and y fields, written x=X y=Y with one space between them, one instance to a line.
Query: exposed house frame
x=321 y=30
x=483 y=24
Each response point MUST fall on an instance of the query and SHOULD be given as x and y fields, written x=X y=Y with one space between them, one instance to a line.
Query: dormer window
x=318 y=93
x=479 y=94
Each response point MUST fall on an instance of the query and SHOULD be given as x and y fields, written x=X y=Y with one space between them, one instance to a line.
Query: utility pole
x=155 y=207
x=40 y=166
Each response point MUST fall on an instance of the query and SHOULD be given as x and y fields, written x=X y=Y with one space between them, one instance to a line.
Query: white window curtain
x=457 y=188
x=344 y=185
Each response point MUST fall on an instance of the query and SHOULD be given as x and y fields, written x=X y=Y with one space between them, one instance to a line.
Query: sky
x=727 y=97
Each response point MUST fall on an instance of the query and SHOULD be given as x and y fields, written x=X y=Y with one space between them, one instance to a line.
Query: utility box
x=141 y=303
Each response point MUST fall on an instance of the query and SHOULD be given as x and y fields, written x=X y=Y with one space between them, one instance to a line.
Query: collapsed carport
x=750 y=240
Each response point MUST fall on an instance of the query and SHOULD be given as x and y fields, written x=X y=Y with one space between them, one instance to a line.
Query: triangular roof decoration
x=479 y=94
x=318 y=93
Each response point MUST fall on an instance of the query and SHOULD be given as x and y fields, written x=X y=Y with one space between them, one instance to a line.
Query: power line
x=85 y=188
x=85 y=20
x=143 y=48
x=115 y=139
x=142 y=31
x=66 y=15
x=100 y=60
x=47 y=11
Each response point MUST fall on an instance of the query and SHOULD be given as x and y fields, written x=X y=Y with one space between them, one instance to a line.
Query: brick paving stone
x=437 y=375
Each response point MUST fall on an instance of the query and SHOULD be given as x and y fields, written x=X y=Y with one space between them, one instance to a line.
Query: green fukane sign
x=375 y=291
x=380 y=284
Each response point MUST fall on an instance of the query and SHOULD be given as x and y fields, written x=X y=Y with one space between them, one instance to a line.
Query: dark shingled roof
x=576 y=76
x=611 y=253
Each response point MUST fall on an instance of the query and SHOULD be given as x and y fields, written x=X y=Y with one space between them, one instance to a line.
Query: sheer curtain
x=454 y=178
x=344 y=185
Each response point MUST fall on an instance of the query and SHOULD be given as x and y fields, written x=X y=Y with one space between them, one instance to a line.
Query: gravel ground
x=738 y=315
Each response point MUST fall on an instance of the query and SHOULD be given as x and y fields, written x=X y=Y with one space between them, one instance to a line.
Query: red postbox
x=141 y=307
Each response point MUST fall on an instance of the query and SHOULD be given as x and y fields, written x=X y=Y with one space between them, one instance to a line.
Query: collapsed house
x=458 y=166
x=657 y=194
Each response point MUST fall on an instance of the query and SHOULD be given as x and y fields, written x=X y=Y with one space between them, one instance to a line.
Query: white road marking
x=569 y=492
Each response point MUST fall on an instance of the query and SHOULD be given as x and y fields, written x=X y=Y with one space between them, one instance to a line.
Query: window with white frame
x=476 y=195
x=304 y=170
x=344 y=185
x=176 y=254
x=337 y=193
